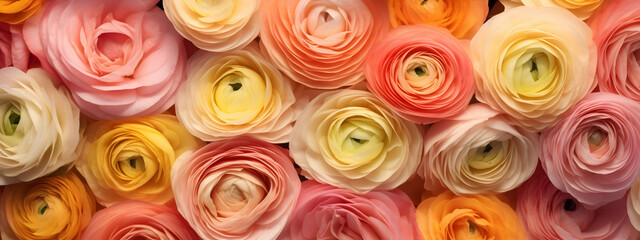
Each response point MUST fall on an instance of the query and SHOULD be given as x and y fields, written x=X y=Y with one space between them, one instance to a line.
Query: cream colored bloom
x=477 y=152
x=132 y=159
x=534 y=64
x=215 y=26
x=349 y=139
x=235 y=93
x=581 y=8
x=40 y=130
x=633 y=205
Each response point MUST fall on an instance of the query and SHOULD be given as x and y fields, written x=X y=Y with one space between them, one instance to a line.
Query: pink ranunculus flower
x=138 y=220
x=615 y=32
x=327 y=212
x=118 y=58
x=322 y=44
x=548 y=213
x=13 y=49
x=592 y=153
x=241 y=188
x=422 y=72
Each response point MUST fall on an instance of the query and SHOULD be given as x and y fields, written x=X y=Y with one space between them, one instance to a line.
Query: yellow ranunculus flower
x=47 y=208
x=581 y=8
x=132 y=159
x=17 y=11
x=235 y=93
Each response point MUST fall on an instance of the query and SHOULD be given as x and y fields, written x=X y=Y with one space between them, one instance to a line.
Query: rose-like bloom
x=422 y=72
x=215 y=26
x=132 y=159
x=581 y=8
x=47 y=208
x=534 y=64
x=241 y=188
x=235 y=93
x=17 y=11
x=40 y=129
x=592 y=153
x=548 y=213
x=322 y=44
x=350 y=139
x=477 y=152
x=462 y=18
x=327 y=212
x=448 y=216
x=118 y=58
x=615 y=32
x=13 y=49
x=138 y=220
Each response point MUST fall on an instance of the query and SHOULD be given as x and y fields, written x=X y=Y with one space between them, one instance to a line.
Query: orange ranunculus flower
x=16 y=11
x=448 y=216
x=47 y=208
x=463 y=18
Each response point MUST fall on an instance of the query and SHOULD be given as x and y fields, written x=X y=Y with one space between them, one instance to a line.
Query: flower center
x=596 y=138
x=11 y=121
x=42 y=208
x=486 y=157
x=133 y=166
x=570 y=205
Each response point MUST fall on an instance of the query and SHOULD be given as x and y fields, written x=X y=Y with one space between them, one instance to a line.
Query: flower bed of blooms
x=319 y=119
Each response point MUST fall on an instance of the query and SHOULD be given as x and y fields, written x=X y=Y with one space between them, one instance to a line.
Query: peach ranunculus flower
x=40 y=130
x=119 y=58
x=448 y=216
x=46 y=208
x=462 y=18
x=17 y=11
x=615 y=32
x=477 y=152
x=592 y=153
x=322 y=44
x=350 y=139
x=138 y=220
x=132 y=158
x=240 y=188
x=215 y=26
x=581 y=8
x=422 y=72
x=534 y=63
x=235 y=93
x=548 y=213
x=327 y=212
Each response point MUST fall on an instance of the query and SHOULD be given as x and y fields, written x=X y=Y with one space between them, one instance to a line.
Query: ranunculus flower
x=592 y=153
x=138 y=220
x=581 y=8
x=235 y=93
x=322 y=44
x=534 y=64
x=422 y=72
x=132 y=159
x=13 y=49
x=241 y=188
x=350 y=139
x=215 y=26
x=448 y=216
x=17 y=11
x=462 y=18
x=548 y=213
x=327 y=212
x=47 y=208
x=616 y=34
x=476 y=152
x=40 y=126
x=119 y=58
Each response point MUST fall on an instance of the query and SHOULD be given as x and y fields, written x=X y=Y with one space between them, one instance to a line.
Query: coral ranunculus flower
x=47 y=208
x=534 y=63
x=422 y=72
x=448 y=216
x=462 y=18
x=17 y=11
x=322 y=44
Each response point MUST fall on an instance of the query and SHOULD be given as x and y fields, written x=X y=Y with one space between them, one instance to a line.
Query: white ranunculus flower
x=40 y=130
x=477 y=152
x=215 y=26
x=350 y=139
